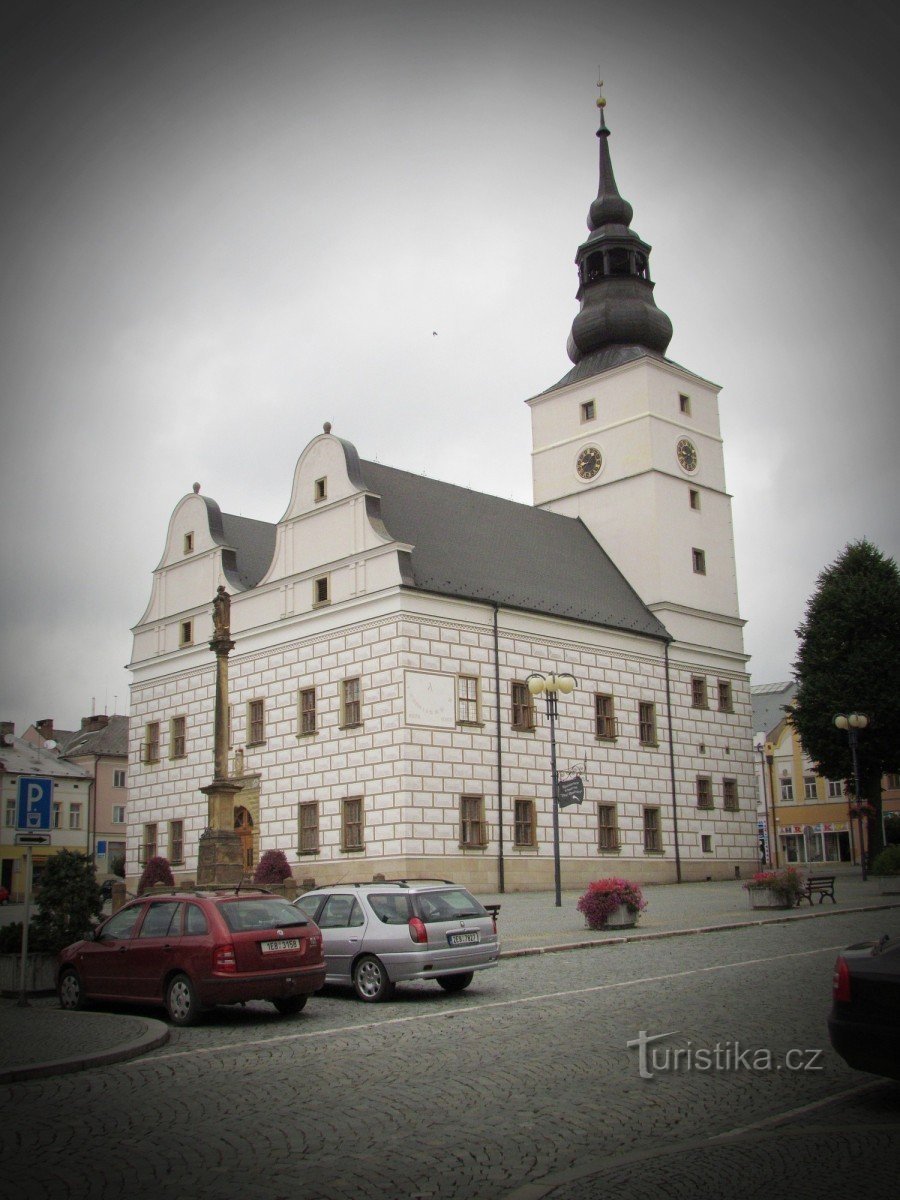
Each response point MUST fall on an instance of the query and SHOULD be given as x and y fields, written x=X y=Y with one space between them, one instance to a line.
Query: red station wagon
x=190 y=951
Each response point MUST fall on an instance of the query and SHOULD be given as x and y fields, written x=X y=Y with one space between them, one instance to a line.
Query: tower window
x=695 y=499
x=619 y=262
x=321 y=591
x=189 y=543
x=320 y=489
x=588 y=411
x=186 y=633
x=699 y=560
x=684 y=403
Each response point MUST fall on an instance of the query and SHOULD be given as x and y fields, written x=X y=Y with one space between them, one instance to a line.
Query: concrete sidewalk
x=39 y=1039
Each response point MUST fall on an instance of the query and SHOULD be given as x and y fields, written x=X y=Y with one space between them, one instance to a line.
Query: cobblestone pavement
x=520 y=1088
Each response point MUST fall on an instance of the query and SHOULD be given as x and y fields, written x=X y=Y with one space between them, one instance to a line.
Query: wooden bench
x=818 y=885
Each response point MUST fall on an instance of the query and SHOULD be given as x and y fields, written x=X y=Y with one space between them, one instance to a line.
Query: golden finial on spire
x=601 y=100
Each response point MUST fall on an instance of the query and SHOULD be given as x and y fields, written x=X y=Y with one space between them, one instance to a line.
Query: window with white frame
x=75 y=815
x=835 y=789
x=119 y=779
x=56 y=816
x=9 y=813
x=809 y=787
x=118 y=814
x=787 y=788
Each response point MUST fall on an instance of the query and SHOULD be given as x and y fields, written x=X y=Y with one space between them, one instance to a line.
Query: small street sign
x=32 y=839
x=34 y=798
x=570 y=791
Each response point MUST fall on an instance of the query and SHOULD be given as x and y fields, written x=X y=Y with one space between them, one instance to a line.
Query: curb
x=155 y=1034
x=667 y=933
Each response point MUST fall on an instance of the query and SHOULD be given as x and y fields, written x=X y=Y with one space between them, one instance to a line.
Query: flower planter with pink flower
x=612 y=904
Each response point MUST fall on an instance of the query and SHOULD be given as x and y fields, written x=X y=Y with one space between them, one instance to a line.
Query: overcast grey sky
x=226 y=223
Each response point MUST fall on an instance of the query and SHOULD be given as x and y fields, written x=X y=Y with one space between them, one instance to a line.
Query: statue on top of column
x=222 y=615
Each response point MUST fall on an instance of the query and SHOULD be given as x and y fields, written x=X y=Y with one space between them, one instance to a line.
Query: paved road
x=519 y=1089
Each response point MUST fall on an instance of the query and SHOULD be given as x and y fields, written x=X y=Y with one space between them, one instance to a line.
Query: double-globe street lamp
x=551 y=684
x=852 y=723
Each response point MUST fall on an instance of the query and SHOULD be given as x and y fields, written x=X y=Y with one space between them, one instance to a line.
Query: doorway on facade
x=243 y=827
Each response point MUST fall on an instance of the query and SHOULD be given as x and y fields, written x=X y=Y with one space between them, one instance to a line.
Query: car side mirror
x=89 y=935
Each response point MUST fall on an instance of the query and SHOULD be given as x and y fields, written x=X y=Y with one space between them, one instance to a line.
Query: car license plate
x=281 y=944
x=463 y=939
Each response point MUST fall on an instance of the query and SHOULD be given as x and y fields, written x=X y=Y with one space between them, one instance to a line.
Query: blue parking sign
x=34 y=801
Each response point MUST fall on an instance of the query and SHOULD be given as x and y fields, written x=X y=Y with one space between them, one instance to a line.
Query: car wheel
x=290 y=1005
x=456 y=983
x=371 y=980
x=181 y=1001
x=71 y=997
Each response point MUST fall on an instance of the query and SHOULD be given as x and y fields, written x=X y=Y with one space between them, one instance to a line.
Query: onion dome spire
x=618 y=316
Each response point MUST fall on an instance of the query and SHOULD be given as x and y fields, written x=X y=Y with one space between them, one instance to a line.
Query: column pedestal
x=220 y=860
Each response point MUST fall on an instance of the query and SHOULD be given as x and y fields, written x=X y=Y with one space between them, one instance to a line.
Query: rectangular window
x=74 y=816
x=730 y=795
x=178 y=737
x=699 y=560
x=809 y=787
x=891 y=782
x=471 y=821
x=352 y=824
x=309 y=827
x=186 y=633
x=148 y=844
x=525 y=832
x=189 y=543
x=588 y=411
x=706 y=843
x=320 y=489
x=467 y=699
x=256 y=722
x=9 y=814
x=351 y=706
x=118 y=779
x=151 y=742
x=307 y=710
x=704 y=792
x=522 y=707
x=118 y=814
x=652 y=831
x=699 y=698
x=321 y=591
x=57 y=814
x=605 y=716
x=176 y=841
x=607 y=827
x=787 y=789
x=836 y=788
x=647 y=723
x=726 y=703
x=684 y=404
x=694 y=499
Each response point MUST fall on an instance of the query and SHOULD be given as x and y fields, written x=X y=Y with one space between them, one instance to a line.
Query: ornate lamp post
x=550 y=684
x=766 y=752
x=853 y=722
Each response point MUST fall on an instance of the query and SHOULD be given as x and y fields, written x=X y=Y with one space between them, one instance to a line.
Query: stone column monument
x=219 y=860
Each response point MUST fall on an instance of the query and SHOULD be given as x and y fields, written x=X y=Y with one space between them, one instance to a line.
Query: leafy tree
x=68 y=901
x=847 y=662
x=116 y=865
x=157 y=870
x=273 y=867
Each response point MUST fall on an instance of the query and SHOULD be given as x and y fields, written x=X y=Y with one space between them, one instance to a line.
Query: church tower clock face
x=589 y=462
x=687 y=455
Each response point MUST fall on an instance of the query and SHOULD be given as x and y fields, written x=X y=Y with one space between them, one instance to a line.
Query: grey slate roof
x=247 y=545
x=479 y=547
x=21 y=758
x=768 y=701
x=109 y=742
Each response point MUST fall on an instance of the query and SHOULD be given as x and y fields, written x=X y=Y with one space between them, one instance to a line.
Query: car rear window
x=269 y=912
x=448 y=904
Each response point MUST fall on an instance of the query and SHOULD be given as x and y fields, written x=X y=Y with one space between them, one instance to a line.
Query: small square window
x=695 y=499
x=684 y=403
x=186 y=633
x=189 y=543
x=321 y=591
x=320 y=489
x=699 y=561
x=706 y=843
x=588 y=411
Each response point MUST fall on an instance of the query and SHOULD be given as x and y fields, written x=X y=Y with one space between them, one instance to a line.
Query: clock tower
x=629 y=441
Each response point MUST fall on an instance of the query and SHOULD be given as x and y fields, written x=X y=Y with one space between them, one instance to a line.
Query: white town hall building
x=385 y=627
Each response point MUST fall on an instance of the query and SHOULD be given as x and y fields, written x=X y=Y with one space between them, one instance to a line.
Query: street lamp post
x=852 y=723
x=550 y=684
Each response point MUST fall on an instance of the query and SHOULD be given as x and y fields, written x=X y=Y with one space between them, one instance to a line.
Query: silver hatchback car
x=376 y=935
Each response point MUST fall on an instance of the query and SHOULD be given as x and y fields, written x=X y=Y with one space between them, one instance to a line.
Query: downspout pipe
x=672 y=765
x=501 y=874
